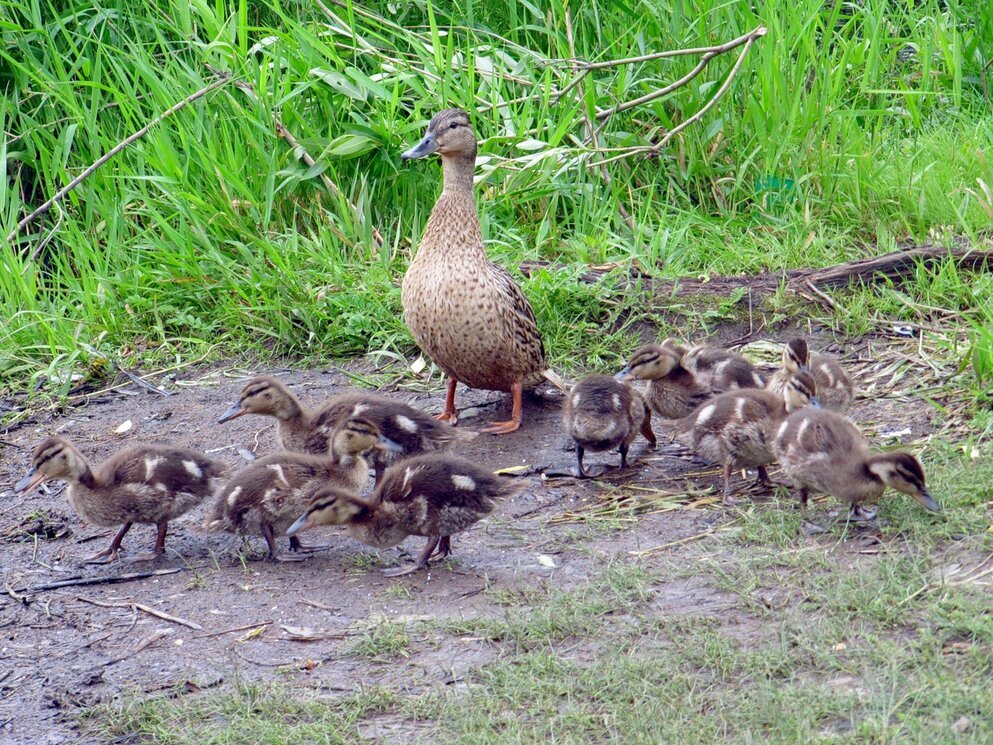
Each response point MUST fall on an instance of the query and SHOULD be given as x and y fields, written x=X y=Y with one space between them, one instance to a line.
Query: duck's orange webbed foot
x=514 y=423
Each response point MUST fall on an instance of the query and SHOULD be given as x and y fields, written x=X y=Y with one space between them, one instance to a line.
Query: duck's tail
x=555 y=379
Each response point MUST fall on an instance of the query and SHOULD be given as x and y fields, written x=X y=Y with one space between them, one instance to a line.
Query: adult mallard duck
x=465 y=312
x=824 y=451
x=138 y=484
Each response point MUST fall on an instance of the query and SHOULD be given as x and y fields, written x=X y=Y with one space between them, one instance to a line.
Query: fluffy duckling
x=719 y=369
x=671 y=391
x=433 y=495
x=268 y=495
x=307 y=431
x=139 y=484
x=736 y=429
x=824 y=451
x=465 y=312
x=835 y=389
x=602 y=414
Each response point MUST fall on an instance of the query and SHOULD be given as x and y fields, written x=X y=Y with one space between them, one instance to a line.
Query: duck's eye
x=453 y=125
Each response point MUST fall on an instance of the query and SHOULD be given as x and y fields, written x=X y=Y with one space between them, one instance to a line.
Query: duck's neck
x=458 y=172
x=453 y=228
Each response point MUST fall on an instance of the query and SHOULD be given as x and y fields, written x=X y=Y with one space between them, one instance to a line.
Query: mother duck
x=465 y=312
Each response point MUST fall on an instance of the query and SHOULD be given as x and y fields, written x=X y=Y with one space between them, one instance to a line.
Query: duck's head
x=54 y=458
x=357 y=435
x=801 y=391
x=263 y=395
x=795 y=355
x=903 y=472
x=449 y=134
x=650 y=362
x=329 y=506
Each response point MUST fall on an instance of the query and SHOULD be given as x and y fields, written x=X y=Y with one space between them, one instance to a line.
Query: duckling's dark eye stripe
x=48 y=456
x=254 y=391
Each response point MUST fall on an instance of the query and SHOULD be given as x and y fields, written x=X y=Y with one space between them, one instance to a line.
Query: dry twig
x=144 y=609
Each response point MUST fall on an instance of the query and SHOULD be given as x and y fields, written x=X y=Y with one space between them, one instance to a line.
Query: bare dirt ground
x=234 y=614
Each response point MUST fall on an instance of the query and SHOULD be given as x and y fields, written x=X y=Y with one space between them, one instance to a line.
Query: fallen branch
x=246 y=627
x=113 y=579
x=223 y=79
x=144 y=609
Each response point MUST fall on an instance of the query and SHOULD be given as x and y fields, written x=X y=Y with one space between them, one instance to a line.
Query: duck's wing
x=521 y=323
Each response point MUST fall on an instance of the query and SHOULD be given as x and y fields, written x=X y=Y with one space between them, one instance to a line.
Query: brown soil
x=61 y=653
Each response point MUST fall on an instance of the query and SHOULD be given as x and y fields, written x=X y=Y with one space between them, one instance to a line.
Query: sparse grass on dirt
x=758 y=632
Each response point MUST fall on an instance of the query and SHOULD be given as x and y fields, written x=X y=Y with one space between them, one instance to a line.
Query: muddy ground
x=237 y=615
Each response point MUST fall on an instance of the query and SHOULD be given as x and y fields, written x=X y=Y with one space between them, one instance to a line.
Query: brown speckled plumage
x=266 y=496
x=736 y=429
x=600 y=414
x=824 y=451
x=835 y=389
x=138 y=484
x=465 y=312
x=308 y=430
x=432 y=495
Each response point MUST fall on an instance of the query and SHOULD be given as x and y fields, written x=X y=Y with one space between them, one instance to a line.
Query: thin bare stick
x=61 y=194
x=75 y=581
x=246 y=627
x=719 y=49
x=758 y=33
x=144 y=609
x=657 y=93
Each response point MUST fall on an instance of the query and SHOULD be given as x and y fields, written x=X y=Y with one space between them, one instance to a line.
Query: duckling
x=671 y=390
x=835 y=389
x=736 y=429
x=432 y=495
x=307 y=431
x=602 y=414
x=465 y=312
x=823 y=450
x=267 y=496
x=139 y=484
x=720 y=369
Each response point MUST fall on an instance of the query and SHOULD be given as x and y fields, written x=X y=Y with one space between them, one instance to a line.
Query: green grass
x=851 y=125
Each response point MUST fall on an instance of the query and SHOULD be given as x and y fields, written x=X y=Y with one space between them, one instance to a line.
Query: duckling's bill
x=927 y=501
x=31 y=479
x=385 y=443
x=302 y=523
x=623 y=374
x=235 y=411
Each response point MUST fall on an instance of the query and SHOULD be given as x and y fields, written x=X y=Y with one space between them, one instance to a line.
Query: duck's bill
x=232 y=413
x=31 y=479
x=814 y=402
x=303 y=523
x=385 y=443
x=928 y=502
x=623 y=374
x=422 y=149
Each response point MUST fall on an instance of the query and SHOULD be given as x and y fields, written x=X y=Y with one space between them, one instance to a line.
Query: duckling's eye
x=453 y=125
